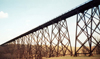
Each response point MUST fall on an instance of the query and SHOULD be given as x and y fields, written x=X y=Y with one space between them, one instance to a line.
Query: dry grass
x=69 y=57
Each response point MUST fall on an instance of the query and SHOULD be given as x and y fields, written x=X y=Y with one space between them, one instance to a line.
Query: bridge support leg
x=61 y=39
x=87 y=28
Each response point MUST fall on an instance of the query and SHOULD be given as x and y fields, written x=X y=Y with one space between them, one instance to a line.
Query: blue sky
x=20 y=16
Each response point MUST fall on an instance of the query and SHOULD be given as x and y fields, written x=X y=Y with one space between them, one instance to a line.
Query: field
x=79 y=57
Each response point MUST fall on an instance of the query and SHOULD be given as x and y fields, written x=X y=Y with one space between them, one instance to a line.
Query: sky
x=20 y=16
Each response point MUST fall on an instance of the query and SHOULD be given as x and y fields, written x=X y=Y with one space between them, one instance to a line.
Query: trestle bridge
x=40 y=41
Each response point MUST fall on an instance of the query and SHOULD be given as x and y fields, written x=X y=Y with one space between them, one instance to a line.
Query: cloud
x=3 y=15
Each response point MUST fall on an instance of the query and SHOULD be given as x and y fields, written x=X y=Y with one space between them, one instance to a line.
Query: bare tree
x=4 y=54
x=98 y=47
x=84 y=51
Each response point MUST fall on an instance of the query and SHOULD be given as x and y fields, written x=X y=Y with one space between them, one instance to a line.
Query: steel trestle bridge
x=53 y=39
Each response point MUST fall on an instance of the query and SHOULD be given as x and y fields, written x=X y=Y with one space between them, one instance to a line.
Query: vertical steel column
x=76 y=35
x=90 y=40
x=51 y=52
x=47 y=48
x=59 y=28
x=69 y=38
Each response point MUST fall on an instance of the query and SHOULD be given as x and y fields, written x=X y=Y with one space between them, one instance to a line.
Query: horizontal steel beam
x=62 y=17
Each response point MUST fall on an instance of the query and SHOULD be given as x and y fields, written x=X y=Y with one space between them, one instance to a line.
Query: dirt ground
x=79 y=57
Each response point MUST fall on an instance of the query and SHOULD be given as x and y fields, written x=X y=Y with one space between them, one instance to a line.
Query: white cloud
x=3 y=15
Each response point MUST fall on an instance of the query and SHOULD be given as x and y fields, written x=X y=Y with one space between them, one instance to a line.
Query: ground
x=71 y=57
